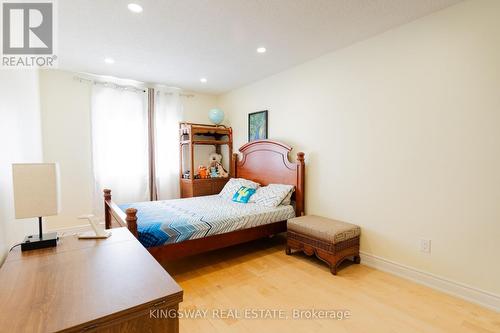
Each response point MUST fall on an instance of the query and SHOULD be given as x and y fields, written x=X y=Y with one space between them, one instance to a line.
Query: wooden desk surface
x=81 y=282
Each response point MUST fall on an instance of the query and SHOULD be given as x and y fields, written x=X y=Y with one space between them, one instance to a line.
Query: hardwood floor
x=259 y=275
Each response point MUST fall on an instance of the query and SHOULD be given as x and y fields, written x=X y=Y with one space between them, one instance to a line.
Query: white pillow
x=271 y=195
x=234 y=184
x=288 y=199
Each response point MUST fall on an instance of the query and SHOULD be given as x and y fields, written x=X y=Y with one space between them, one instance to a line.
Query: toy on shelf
x=213 y=172
x=216 y=163
x=203 y=172
x=223 y=173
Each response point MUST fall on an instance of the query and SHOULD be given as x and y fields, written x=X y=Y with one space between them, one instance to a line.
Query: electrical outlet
x=425 y=245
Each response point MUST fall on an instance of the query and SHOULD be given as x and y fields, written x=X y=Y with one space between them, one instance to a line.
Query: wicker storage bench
x=330 y=240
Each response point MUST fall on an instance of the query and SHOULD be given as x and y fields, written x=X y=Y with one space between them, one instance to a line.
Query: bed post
x=107 y=212
x=234 y=163
x=132 y=220
x=299 y=194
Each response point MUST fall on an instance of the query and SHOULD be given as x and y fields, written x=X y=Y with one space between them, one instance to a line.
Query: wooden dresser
x=110 y=285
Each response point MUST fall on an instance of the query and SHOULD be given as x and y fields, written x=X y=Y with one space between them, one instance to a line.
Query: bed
x=172 y=229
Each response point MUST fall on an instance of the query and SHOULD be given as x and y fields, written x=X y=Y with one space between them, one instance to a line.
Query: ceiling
x=177 y=42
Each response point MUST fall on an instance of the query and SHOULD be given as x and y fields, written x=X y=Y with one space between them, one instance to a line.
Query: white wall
x=196 y=108
x=196 y=111
x=65 y=106
x=20 y=140
x=401 y=135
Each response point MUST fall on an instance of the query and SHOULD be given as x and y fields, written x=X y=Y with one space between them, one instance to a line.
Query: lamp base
x=34 y=242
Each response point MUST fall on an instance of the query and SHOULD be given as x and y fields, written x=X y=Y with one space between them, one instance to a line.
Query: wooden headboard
x=266 y=162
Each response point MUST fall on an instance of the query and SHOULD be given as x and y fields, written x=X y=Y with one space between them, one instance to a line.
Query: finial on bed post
x=299 y=195
x=107 y=194
x=107 y=212
x=131 y=220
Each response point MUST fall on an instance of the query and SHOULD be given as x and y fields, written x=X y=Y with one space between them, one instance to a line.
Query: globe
x=216 y=116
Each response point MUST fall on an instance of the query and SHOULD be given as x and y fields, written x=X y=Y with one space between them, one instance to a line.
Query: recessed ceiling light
x=135 y=8
x=203 y=80
x=261 y=50
x=109 y=60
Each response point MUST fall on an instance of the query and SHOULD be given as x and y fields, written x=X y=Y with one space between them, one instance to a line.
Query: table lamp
x=36 y=194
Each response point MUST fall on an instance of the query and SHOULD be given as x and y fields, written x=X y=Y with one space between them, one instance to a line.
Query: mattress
x=174 y=221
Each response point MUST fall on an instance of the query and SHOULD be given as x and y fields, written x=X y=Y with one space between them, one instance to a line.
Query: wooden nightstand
x=107 y=285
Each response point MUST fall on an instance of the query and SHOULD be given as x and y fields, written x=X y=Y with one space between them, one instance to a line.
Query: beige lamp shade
x=36 y=189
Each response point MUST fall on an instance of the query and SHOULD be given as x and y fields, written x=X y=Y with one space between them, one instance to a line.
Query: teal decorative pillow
x=243 y=194
x=234 y=184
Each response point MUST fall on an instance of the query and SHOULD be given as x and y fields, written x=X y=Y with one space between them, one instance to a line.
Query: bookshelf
x=192 y=135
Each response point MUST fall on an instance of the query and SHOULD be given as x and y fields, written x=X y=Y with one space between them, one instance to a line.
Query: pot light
x=134 y=8
x=203 y=80
x=109 y=60
x=261 y=50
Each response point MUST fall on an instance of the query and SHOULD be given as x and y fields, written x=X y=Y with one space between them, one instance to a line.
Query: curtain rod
x=106 y=83
x=181 y=94
x=125 y=87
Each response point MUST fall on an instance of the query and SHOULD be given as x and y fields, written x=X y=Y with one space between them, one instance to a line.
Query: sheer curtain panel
x=119 y=144
x=168 y=114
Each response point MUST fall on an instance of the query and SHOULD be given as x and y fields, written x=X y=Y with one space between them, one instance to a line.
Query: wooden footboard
x=115 y=217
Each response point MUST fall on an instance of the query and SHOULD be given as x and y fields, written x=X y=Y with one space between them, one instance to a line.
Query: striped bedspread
x=173 y=221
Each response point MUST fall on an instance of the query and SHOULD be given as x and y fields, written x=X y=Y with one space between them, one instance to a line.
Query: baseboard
x=481 y=297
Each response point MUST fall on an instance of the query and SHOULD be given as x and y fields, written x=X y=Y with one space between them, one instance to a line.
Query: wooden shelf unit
x=192 y=134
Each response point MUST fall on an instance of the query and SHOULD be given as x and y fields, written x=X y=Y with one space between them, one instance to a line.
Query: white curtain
x=119 y=144
x=168 y=114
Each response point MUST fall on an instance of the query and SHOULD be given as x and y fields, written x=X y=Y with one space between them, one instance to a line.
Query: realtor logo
x=28 y=29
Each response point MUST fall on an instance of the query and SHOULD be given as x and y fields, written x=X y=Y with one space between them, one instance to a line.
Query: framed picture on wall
x=257 y=126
